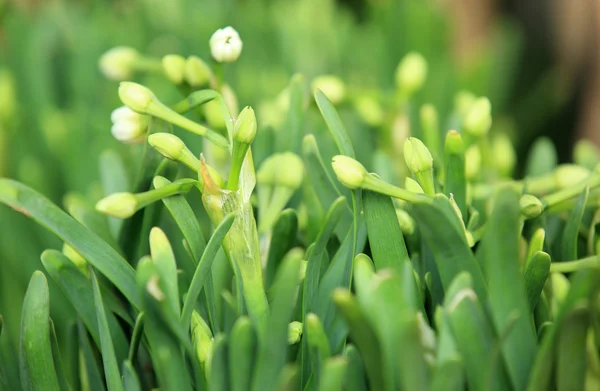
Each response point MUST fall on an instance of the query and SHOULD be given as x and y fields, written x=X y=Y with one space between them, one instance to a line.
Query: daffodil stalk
x=124 y=205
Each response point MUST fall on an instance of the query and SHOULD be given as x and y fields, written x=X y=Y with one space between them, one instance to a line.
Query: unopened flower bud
x=349 y=171
x=135 y=96
x=290 y=170
x=245 y=126
x=411 y=73
x=463 y=101
x=412 y=185
x=202 y=338
x=472 y=162
x=417 y=156
x=332 y=86
x=268 y=170
x=369 y=110
x=75 y=257
x=173 y=68
x=586 y=154
x=119 y=63
x=197 y=73
x=406 y=222
x=531 y=206
x=567 y=175
x=225 y=45
x=214 y=115
x=128 y=126
x=120 y=205
x=478 y=119
x=167 y=144
x=505 y=156
x=294 y=332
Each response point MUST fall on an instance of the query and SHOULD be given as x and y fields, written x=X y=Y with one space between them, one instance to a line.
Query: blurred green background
x=55 y=105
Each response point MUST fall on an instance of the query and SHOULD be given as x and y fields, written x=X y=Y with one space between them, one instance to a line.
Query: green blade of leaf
x=78 y=290
x=356 y=372
x=363 y=335
x=335 y=125
x=318 y=346
x=242 y=350
x=282 y=240
x=500 y=253
x=448 y=376
x=454 y=170
x=58 y=362
x=334 y=372
x=204 y=266
x=165 y=266
x=273 y=343
x=89 y=245
x=441 y=230
x=111 y=367
x=131 y=382
x=113 y=176
x=136 y=337
x=93 y=376
x=290 y=139
x=85 y=214
x=571 y=233
x=385 y=236
x=571 y=351
x=35 y=351
x=536 y=274
x=219 y=367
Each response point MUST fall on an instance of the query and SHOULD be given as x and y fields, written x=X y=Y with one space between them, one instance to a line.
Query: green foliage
x=256 y=268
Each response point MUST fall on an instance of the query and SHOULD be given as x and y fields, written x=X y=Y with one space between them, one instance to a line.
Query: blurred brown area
x=564 y=33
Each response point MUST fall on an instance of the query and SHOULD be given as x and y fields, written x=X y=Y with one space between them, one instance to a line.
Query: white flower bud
x=225 y=45
x=128 y=126
x=173 y=68
x=118 y=63
x=349 y=171
x=197 y=73
x=120 y=205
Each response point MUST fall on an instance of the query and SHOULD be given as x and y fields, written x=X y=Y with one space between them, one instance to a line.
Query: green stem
x=377 y=185
x=570 y=192
x=572 y=266
x=161 y=111
x=179 y=187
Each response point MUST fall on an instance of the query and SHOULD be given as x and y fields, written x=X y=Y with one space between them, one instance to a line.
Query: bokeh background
x=536 y=61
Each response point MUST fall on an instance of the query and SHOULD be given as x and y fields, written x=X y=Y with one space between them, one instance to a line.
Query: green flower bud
x=267 y=173
x=586 y=154
x=294 y=332
x=119 y=63
x=369 y=110
x=567 y=175
x=332 y=86
x=505 y=156
x=411 y=73
x=202 y=339
x=478 y=119
x=406 y=222
x=412 y=185
x=290 y=170
x=349 y=171
x=76 y=258
x=417 y=156
x=531 y=206
x=197 y=73
x=168 y=145
x=245 y=126
x=136 y=96
x=173 y=68
x=472 y=162
x=214 y=115
x=463 y=101
x=120 y=205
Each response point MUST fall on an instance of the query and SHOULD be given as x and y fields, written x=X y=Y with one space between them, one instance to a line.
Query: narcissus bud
x=168 y=145
x=173 y=68
x=225 y=45
x=472 y=162
x=128 y=126
x=411 y=73
x=332 y=86
x=505 y=156
x=136 y=96
x=290 y=170
x=119 y=63
x=463 y=101
x=369 y=110
x=294 y=332
x=417 y=156
x=567 y=175
x=197 y=73
x=120 y=205
x=245 y=126
x=406 y=222
x=586 y=154
x=531 y=206
x=478 y=119
x=349 y=171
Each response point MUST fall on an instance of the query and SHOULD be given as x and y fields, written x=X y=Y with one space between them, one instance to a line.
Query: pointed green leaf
x=334 y=123
x=570 y=237
x=242 y=351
